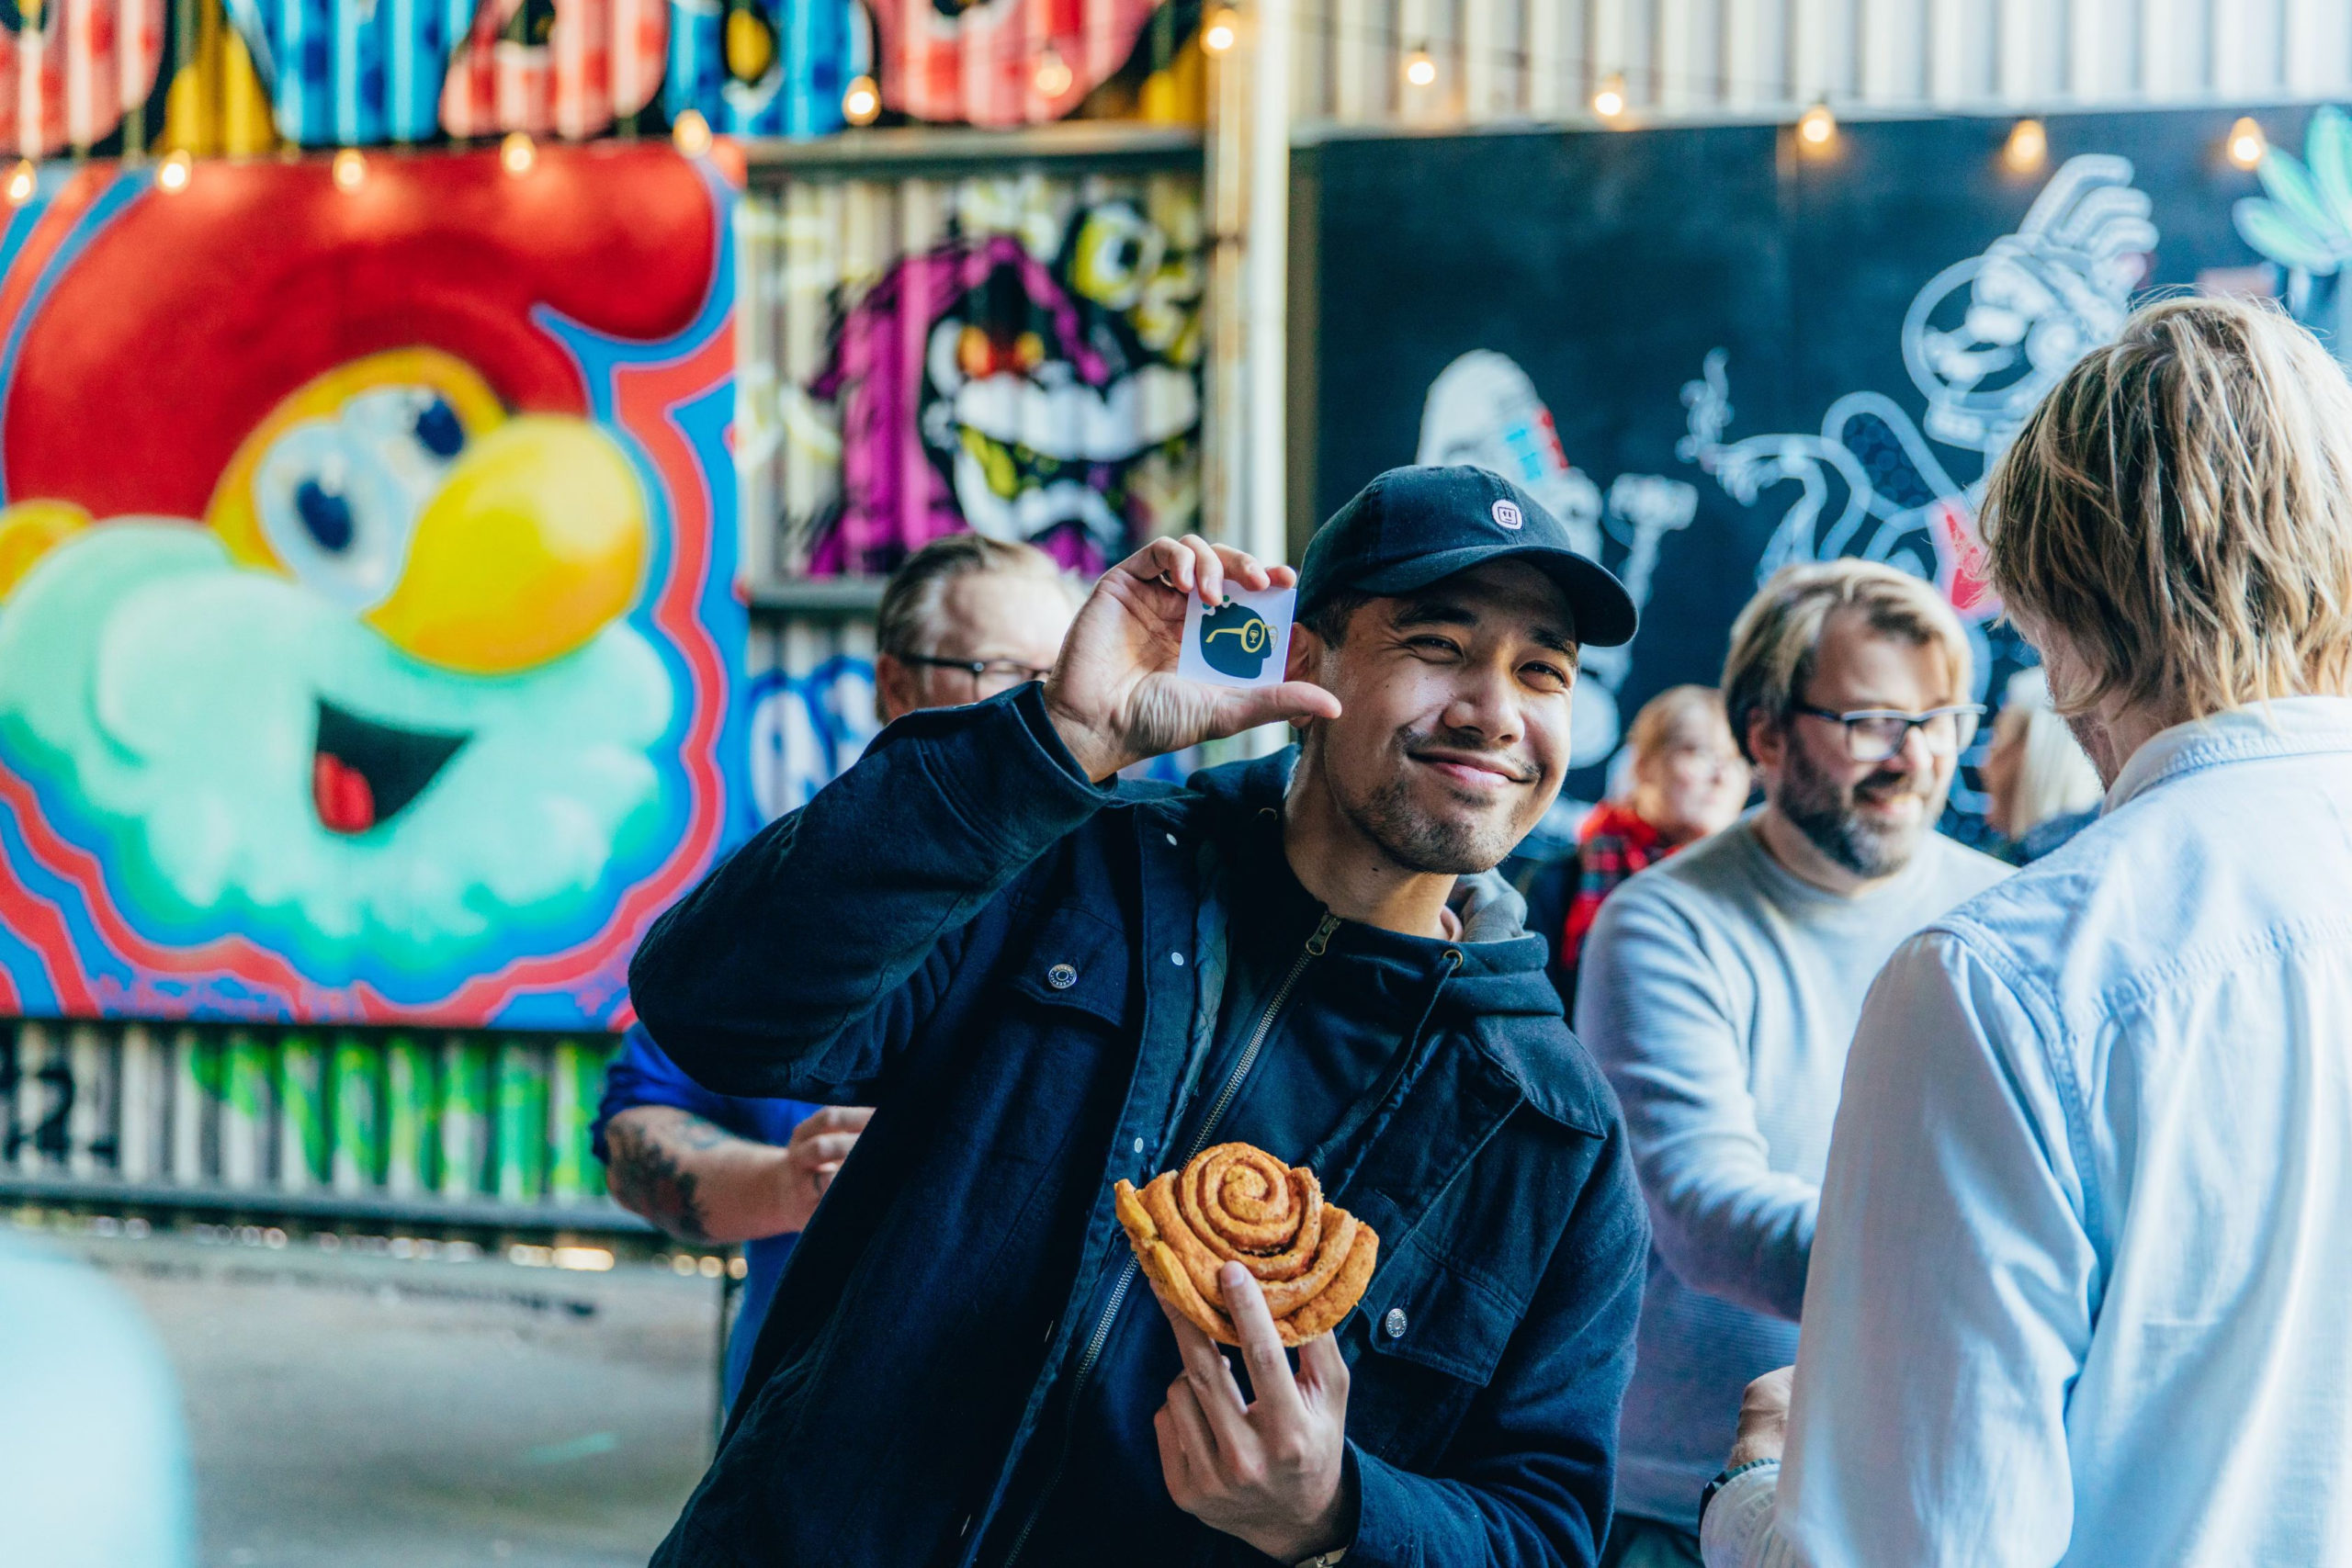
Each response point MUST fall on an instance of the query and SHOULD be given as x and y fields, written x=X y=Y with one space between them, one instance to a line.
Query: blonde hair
x=2179 y=507
x=2053 y=778
x=1654 y=726
x=1775 y=639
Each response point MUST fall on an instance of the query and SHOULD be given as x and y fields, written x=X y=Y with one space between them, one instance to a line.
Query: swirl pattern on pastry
x=1237 y=1203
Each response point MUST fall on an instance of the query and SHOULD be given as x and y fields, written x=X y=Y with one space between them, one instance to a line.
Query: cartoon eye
x=326 y=513
x=438 y=430
x=333 y=511
x=1117 y=249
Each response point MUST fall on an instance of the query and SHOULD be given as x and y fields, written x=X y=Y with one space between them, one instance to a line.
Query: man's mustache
x=1518 y=766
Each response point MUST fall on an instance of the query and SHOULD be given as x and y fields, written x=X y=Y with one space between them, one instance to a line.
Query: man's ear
x=1304 y=662
x=1306 y=659
x=1767 y=740
x=896 y=691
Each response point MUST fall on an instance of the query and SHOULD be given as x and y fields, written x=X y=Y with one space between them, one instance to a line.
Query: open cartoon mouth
x=364 y=773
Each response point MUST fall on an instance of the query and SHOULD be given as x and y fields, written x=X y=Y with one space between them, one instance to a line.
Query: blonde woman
x=2078 y=1281
x=2043 y=790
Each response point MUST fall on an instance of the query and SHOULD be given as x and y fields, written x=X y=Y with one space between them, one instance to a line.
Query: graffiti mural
x=1483 y=409
x=242 y=76
x=2304 y=225
x=1035 y=375
x=368 y=645
x=762 y=67
x=1983 y=339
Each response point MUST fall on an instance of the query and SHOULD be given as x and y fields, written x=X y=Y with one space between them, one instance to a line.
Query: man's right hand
x=1115 y=695
x=815 y=1154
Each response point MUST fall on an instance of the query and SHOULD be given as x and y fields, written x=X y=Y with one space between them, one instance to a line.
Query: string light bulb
x=691 y=133
x=350 y=169
x=1054 y=76
x=171 y=174
x=1220 y=30
x=1419 y=69
x=1817 y=128
x=517 y=153
x=2247 y=144
x=1610 y=102
x=2027 y=147
x=862 y=102
x=23 y=180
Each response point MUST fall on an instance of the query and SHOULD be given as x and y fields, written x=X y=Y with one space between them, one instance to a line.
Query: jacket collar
x=2288 y=727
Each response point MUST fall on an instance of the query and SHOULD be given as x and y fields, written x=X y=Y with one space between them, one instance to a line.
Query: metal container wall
x=755 y=70
x=1019 y=354
x=305 y=1119
x=1545 y=60
x=812 y=705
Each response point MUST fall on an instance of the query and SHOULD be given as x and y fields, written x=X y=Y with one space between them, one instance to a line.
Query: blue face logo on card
x=1235 y=640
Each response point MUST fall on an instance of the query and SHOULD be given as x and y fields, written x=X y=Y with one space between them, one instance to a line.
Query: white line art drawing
x=1482 y=410
x=1983 y=339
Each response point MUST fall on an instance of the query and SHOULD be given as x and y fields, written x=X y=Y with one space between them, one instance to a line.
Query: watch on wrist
x=1724 y=1478
x=1324 y=1560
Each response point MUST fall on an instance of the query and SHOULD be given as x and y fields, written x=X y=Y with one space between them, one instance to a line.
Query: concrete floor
x=374 y=1413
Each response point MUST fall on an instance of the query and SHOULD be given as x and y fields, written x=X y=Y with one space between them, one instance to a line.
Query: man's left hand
x=1763 y=1418
x=1271 y=1473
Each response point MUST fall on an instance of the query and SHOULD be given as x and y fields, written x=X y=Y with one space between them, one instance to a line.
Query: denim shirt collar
x=2288 y=726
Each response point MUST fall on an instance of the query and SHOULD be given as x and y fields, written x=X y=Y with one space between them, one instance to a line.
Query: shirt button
x=1061 y=976
x=1139 y=1145
x=1395 y=1323
x=1171 y=838
x=1177 y=959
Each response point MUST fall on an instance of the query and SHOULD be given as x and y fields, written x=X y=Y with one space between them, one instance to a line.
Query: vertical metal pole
x=1265 y=261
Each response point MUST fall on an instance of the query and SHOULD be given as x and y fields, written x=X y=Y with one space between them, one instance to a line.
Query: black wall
x=1608 y=265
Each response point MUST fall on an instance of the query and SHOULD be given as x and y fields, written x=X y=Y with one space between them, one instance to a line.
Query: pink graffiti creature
x=980 y=388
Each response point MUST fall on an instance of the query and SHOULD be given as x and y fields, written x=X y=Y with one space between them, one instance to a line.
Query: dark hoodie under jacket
x=1002 y=958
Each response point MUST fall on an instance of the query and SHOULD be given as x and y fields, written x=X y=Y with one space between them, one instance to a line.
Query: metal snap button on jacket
x=1395 y=1323
x=1061 y=976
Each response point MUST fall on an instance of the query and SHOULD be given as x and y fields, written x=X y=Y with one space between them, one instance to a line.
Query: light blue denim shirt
x=2081 y=1289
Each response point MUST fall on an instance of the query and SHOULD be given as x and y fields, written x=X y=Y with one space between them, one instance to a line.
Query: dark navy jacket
x=965 y=933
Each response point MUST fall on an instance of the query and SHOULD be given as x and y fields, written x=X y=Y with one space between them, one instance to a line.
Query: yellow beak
x=536 y=543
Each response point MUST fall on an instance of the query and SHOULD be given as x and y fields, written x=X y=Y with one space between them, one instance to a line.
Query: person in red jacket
x=1688 y=780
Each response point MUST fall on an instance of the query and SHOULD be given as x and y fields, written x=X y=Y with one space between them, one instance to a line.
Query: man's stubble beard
x=1415 y=841
x=1823 y=811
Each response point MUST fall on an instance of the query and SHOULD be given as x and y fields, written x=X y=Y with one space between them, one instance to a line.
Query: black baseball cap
x=1416 y=525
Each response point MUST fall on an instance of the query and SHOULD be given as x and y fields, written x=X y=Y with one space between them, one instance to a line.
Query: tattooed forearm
x=645 y=1175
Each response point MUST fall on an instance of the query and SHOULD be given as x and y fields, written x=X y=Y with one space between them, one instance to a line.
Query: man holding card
x=1047 y=983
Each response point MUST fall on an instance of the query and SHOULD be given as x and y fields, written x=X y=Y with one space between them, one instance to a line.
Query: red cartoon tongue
x=339 y=790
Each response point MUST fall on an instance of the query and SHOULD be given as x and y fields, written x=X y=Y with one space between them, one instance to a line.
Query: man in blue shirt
x=964 y=617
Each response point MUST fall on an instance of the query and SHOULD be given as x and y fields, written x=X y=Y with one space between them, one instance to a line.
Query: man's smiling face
x=1453 y=734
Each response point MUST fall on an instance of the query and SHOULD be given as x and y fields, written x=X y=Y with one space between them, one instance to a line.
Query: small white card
x=1244 y=643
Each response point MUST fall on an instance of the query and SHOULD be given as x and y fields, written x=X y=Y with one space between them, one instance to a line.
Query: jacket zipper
x=1232 y=1087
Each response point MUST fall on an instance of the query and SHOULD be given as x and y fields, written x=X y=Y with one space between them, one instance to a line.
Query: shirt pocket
x=1430 y=1334
x=1066 y=1002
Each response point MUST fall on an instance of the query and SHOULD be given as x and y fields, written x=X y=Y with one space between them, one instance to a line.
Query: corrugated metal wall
x=476 y=1128
x=1544 y=59
x=850 y=417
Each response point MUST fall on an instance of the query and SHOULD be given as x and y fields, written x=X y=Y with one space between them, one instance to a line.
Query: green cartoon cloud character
x=1235 y=640
x=326 y=644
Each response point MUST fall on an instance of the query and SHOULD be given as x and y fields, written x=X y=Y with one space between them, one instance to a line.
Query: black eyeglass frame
x=979 y=668
x=1973 y=713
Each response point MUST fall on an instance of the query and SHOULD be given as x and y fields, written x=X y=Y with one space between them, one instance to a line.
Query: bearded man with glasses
x=1720 y=991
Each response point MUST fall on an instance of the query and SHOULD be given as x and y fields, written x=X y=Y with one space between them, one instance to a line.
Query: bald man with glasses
x=1720 y=991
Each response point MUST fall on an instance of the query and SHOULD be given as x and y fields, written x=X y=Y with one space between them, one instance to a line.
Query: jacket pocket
x=1429 y=1337
x=1077 y=963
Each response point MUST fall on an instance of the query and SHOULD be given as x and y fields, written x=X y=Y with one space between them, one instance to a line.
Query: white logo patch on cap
x=1507 y=513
